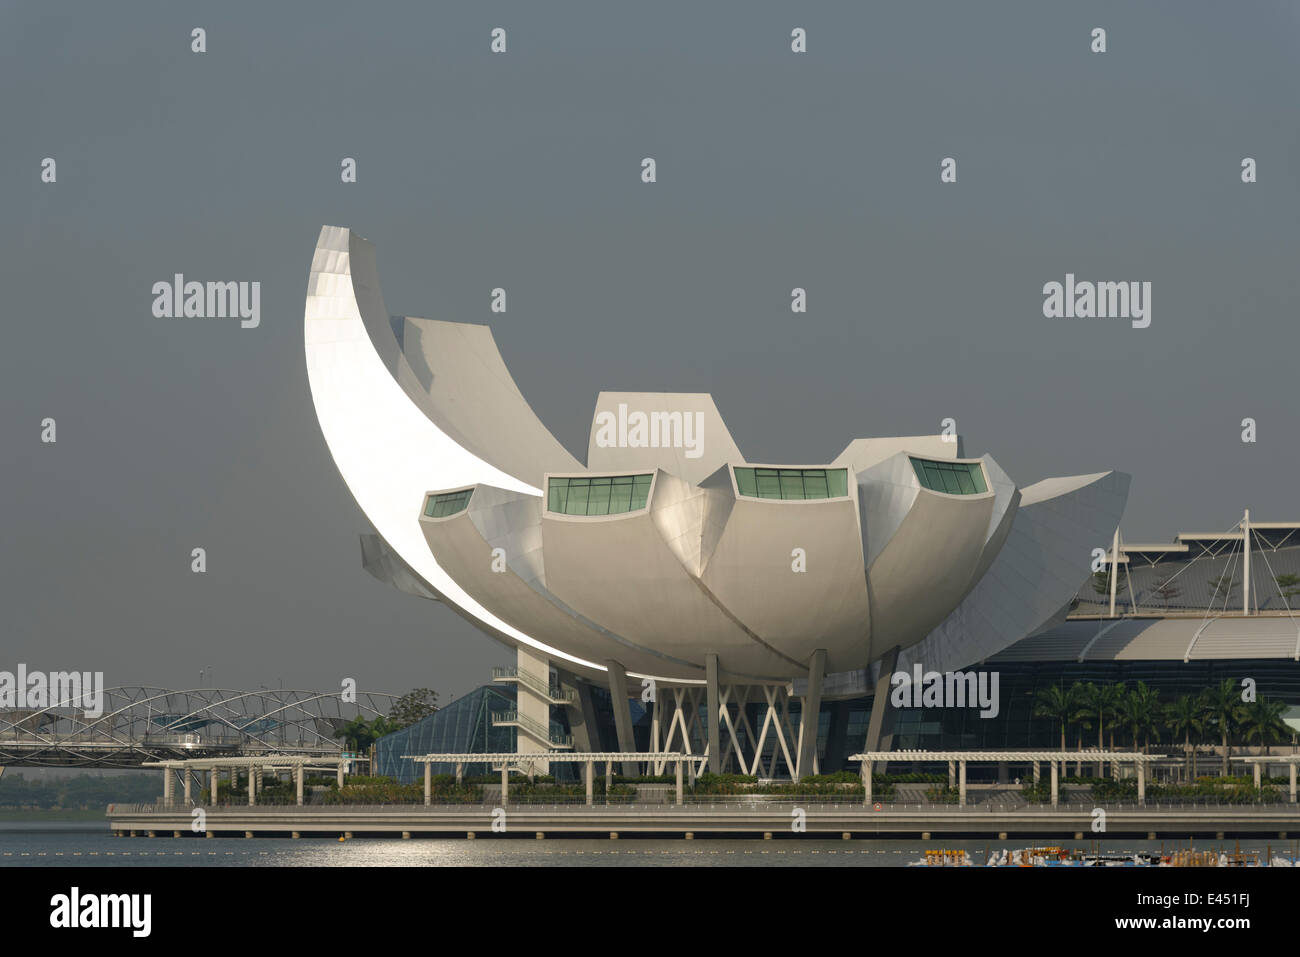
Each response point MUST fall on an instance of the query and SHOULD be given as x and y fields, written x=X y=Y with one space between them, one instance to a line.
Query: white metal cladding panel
x=825 y=606
x=1045 y=558
x=620 y=572
x=926 y=568
x=466 y=552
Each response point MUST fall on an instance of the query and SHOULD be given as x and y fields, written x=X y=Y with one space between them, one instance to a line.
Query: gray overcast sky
x=521 y=170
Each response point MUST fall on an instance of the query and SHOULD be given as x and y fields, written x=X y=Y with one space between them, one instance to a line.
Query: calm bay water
x=39 y=844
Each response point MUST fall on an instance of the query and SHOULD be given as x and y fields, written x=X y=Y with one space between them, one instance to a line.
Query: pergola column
x=460 y=772
x=168 y=786
x=1259 y=765
x=1037 y=773
x=1142 y=782
x=212 y=798
x=298 y=774
x=252 y=786
x=189 y=787
x=428 y=783
x=961 y=783
x=678 y=762
x=866 y=781
x=340 y=772
x=1292 y=764
x=1056 y=786
x=609 y=775
x=591 y=776
x=505 y=782
x=952 y=774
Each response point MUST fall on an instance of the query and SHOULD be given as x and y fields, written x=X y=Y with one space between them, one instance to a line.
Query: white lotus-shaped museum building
x=668 y=554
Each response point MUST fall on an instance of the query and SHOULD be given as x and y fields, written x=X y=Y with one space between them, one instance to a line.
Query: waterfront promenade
x=743 y=817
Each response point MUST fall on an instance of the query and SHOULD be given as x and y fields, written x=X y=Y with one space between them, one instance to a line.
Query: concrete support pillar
x=1037 y=773
x=252 y=785
x=428 y=782
x=1055 y=783
x=460 y=773
x=168 y=787
x=213 y=788
x=189 y=787
x=866 y=781
x=679 y=782
x=1292 y=765
x=961 y=783
x=299 y=774
x=609 y=775
x=880 y=727
x=1142 y=782
x=622 y=713
x=591 y=786
x=810 y=715
x=1259 y=765
x=952 y=774
x=340 y=773
x=534 y=707
x=711 y=710
x=505 y=781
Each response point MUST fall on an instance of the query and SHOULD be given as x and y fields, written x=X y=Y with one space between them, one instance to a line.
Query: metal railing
x=555 y=738
x=535 y=684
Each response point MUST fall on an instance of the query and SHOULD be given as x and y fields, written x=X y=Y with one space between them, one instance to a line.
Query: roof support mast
x=1245 y=554
x=1114 y=569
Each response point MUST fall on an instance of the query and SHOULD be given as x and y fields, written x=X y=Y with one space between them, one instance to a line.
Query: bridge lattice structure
x=139 y=724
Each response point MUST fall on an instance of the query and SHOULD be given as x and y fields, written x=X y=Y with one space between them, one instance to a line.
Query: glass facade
x=464 y=727
x=792 y=484
x=955 y=478
x=598 y=495
x=447 y=503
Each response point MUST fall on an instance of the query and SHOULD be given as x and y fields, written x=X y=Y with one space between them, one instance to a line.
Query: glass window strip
x=951 y=478
x=791 y=484
x=598 y=494
x=447 y=503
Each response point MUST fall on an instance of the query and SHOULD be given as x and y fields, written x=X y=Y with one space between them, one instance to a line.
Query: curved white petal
x=386 y=449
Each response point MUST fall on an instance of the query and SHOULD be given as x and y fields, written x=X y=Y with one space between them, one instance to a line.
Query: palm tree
x=1129 y=714
x=1186 y=716
x=1104 y=701
x=1224 y=709
x=1263 y=720
x=1149 y=713
x=1109 y=698
x=1056 y=704
x=1083 y=696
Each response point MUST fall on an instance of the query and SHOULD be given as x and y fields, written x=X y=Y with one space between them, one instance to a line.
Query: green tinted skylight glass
x=598 y=495
x=792 y=484
x=447 y=503
x=954 y=478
